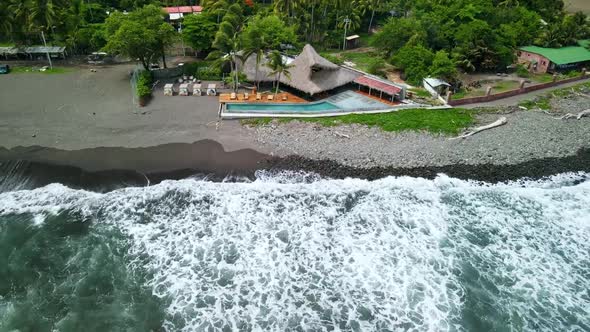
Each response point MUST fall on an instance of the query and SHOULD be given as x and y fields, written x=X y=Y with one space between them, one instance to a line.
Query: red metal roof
x=378 y=85
x=183 y=9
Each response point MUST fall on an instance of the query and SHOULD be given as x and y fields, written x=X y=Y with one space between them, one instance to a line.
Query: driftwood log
x=341 y=135
x=500 y=122
x=577 y=116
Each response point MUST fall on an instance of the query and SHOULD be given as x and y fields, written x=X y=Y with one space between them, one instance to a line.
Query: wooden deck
x=291 y=99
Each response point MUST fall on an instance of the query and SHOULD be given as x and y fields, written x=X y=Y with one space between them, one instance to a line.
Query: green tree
x=279 y=67
x=443 y=67
x=396 y=33
x=415 y=61
x=227 y=41
x=199 y=31
x=140 y=35
x=269 y=32
x=265 y=33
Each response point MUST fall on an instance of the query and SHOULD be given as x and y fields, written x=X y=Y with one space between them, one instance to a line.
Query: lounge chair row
x=186 y=89
x=269 y=97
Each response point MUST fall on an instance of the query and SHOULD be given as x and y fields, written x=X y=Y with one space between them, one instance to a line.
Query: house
x=543 y=60
x=435 y=86
x=177 y=13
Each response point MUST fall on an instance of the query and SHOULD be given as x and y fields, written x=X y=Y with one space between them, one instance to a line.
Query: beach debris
x=577 y=116
x=341 y=135
x=500 y=122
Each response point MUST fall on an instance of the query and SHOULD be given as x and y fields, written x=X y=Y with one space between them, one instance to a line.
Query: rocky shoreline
x=528 y=135
x=492 y=173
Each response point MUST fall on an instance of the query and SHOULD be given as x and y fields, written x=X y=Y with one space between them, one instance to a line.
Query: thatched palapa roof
x=310 y=73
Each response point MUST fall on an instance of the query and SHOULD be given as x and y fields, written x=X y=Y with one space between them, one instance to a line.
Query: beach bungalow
x=310 y=73
x=543 y=60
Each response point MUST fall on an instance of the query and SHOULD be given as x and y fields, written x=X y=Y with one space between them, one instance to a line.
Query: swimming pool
x=280 y=108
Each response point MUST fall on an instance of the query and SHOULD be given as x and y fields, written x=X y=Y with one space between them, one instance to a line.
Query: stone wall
x=512 y=93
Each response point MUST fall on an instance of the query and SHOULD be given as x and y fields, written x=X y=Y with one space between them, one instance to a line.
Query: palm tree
x=278 y=67
x=5 y=19
x=20 y=15
x=42 y=14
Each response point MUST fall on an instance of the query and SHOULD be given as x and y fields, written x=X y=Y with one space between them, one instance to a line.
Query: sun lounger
x=285 y=97
x=270 y=97
x=246 y=96
x=258 y=96
x=233 y=96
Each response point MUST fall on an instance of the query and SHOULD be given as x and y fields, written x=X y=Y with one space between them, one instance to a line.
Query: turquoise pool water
x=280 y=108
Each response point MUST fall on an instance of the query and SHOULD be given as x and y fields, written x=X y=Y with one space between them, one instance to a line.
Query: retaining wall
x=512 y=93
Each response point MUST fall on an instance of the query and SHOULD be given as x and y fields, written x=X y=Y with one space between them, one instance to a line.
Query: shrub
x=332 y=58
x=209 y=73
x=376 y=66
x=521 y=71
x=144 y=84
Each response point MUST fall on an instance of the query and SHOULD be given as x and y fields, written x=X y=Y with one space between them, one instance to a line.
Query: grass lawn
x=35 y=70
x=504 y=86
x=446 y=122
x=497 y=87
x=362 y=60
x=541 y=78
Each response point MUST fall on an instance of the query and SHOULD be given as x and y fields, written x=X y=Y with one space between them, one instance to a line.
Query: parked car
x=4 y=69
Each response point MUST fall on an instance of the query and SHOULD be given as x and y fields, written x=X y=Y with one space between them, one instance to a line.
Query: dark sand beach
x=88 y=122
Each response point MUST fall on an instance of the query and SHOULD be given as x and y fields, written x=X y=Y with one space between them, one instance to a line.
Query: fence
x=512 y=93
x=167 y=72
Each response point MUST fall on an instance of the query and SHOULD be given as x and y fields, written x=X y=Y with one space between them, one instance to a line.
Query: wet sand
x=105 y=169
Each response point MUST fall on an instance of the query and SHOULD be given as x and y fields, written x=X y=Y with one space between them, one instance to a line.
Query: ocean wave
x=294 y=251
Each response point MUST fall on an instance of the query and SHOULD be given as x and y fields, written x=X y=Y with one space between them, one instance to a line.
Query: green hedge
x=204 y=71
x=144 y=84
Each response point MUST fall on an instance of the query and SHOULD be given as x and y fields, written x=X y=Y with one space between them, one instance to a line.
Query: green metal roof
x=564 y=55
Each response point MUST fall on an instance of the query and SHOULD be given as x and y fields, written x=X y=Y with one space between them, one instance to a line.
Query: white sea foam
x=393 y=254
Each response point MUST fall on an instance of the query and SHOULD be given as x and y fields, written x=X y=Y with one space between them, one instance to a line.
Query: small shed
x=353 y=41
x=169 y=89
x=212 y=90
x=8 y=51
x=183 y=89
x=435 y=86
x=53 y=51
x=197 y=90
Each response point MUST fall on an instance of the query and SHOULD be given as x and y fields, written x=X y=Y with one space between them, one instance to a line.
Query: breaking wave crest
x=348 y=255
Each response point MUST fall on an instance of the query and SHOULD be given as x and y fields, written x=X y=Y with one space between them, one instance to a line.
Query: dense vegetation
x=421 y=37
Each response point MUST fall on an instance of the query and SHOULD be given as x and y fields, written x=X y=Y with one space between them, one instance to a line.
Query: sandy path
x=81 y=109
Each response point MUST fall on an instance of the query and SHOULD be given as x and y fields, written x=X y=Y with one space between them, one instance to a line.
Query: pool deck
x=291 y=98
x=384 y=101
